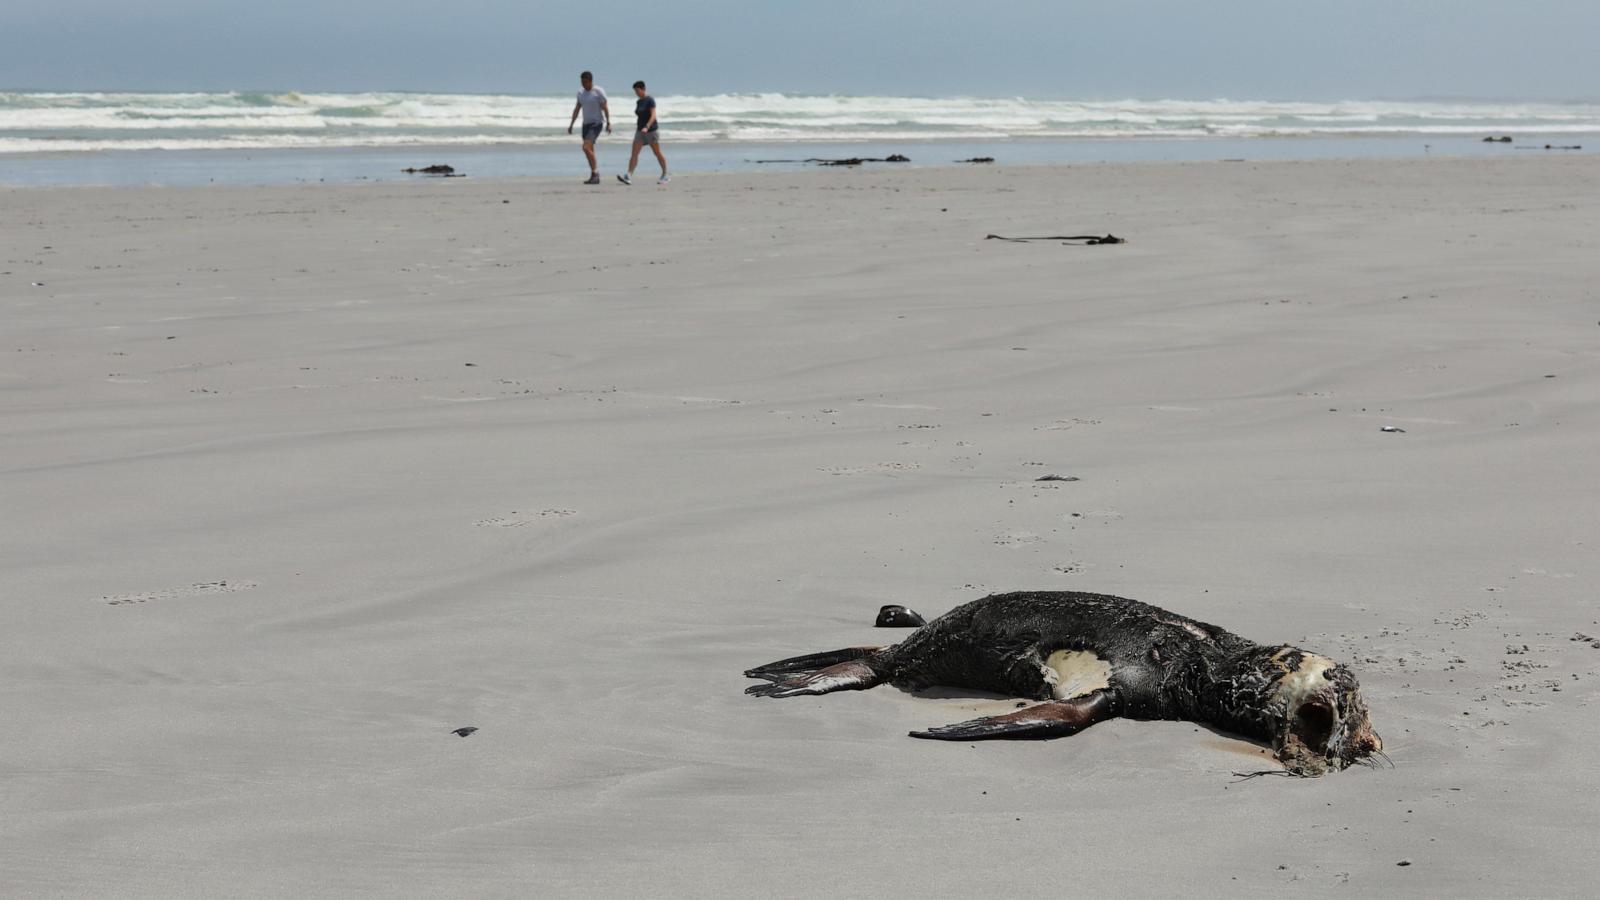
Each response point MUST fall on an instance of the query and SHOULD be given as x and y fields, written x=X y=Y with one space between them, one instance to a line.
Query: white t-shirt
x=590 y=100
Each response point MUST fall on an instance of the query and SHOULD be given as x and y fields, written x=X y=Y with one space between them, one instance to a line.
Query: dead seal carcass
x=1092 y=657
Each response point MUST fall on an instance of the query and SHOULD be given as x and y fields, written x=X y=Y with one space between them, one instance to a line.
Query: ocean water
x=265 y=137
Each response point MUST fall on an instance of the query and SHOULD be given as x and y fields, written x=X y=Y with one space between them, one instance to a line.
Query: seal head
x=1324 y=724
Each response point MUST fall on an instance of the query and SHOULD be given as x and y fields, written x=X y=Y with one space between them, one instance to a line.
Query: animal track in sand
x=1495 y=677
x=193 y=590
x=517 y=519
x=1523 y=675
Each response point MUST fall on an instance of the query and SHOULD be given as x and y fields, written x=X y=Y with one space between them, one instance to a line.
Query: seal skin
x=1152 y=664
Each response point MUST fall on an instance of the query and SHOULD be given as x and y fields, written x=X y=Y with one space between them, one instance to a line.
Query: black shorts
x=591 y=131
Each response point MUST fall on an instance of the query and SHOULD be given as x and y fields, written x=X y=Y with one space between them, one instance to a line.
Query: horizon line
x=1101 y=98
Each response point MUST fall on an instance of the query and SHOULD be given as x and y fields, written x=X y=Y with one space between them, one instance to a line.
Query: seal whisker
x=1279 y=773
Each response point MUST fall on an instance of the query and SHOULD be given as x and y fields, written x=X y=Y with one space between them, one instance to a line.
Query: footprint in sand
x=193 y=590
x=519 y=519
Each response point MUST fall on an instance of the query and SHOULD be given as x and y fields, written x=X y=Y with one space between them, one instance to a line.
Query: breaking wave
x=32 y=122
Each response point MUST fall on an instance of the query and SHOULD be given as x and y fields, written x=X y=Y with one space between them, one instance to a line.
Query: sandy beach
x=299 y=479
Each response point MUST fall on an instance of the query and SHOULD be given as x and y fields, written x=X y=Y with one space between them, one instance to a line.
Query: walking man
x=592 y=103
x=648 y=133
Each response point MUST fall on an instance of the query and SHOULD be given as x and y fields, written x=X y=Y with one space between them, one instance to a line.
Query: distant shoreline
x=342 y=165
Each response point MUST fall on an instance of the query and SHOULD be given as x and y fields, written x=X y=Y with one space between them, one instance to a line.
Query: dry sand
x=297 y=480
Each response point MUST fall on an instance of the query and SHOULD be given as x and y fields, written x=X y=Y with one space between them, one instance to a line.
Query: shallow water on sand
x=357 y=164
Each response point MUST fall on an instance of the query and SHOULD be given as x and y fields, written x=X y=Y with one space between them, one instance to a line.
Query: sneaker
x=625 y=179
x=594 y=178
x=663 y=180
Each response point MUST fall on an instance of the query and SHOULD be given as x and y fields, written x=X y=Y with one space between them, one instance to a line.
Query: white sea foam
x=90 y=121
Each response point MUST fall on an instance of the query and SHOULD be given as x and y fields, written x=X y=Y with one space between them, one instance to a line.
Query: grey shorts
x=591 y=131
x=645 y=138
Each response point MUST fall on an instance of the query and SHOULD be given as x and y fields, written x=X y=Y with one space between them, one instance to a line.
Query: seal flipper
x=1054 y=718
x=811 y=662
x=854 y=675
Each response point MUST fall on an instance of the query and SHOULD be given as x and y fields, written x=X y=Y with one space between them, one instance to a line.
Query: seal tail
x=850 y=669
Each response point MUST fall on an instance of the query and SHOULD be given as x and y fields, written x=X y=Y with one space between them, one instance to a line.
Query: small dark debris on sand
x=977 y=159
x=463 y=731
x=894 y=616
x=1087 y=239
x=1058 y=478
x=845 y=161
x=435 y=169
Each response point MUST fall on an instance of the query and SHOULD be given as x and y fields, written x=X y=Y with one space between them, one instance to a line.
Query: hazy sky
x=1257 y=49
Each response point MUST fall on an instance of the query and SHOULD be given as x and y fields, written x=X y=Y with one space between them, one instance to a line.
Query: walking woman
x=648 y=134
